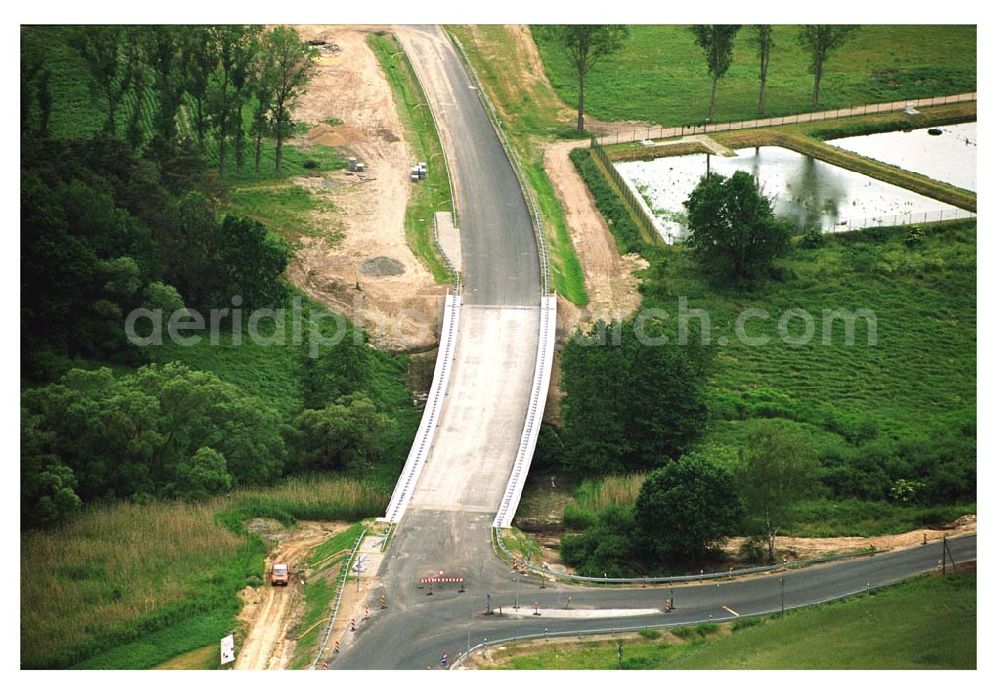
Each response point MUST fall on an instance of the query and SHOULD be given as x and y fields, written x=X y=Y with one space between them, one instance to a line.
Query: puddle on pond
x=949 y=157
x=811 y=193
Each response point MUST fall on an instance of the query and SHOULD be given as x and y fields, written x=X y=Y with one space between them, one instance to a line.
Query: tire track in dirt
x=273 y=612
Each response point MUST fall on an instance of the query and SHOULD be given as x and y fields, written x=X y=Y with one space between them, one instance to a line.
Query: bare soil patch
x=400 y=310
x=270 y=612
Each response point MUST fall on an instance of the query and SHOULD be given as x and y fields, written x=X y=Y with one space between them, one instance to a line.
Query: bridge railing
x=421 y=447
x=526 y=191
x=533 y=416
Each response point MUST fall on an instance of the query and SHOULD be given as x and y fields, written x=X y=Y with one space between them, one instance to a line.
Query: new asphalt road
x=446 y=530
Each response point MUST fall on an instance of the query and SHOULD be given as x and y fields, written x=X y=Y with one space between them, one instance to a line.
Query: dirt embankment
x=272 y=613
x=399 y=308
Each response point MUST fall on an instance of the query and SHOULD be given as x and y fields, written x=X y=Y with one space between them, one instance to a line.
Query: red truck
x=279 y=574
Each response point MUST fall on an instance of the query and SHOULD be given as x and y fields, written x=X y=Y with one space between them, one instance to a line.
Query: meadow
x=926 y=623
x=143 y=583
x=660 y=76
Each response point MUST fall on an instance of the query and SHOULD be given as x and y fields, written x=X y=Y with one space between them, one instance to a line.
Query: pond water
x=949 y=157
x=811 y=193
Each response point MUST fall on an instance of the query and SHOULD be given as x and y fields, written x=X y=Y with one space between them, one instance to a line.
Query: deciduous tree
x=731 y=225
x=290 y=64
x=776 y=469
x=762 y=37
x=820 y=41
x=585 y=45
x=685 y=507
x=716 y=41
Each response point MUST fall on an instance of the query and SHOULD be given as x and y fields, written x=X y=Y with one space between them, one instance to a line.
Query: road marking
x=731 y=611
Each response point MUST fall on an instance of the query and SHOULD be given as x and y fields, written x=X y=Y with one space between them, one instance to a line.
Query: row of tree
x=586 y=45
x=150 y=78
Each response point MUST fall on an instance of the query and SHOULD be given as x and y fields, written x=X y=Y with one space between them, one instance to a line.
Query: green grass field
x=434 y=193
x=926 y=623
x=143 y=583
x=660 y=76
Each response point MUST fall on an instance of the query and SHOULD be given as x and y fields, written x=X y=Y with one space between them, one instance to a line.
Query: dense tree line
x=152 y=79
x=102 y=235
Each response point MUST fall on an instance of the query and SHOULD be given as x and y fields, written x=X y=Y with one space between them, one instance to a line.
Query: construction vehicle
x=279 y=574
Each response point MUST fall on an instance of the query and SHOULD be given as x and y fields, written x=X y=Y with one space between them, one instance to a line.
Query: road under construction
x=465 y=471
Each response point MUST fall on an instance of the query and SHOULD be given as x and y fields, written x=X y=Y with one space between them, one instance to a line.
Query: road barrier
x=428 y=423
x=659 y=132
x=456 y=275
x=344 y=570
x=533 y=416
x=526 y=192
x=544 y=572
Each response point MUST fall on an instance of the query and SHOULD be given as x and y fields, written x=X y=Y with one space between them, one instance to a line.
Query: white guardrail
x=428 y=423
x=533 y=418
x=345 y=570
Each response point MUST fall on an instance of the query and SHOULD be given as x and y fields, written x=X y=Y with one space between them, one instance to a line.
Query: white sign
x=228 y=649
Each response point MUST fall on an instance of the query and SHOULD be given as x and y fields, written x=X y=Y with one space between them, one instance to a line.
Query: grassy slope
x=144 y=583
x=320 y=591
x=434 y=193
x=927 y=623
x=529 y=114
x=661 y=77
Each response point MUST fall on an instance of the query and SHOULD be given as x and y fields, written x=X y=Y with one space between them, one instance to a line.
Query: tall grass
x=594 y=496
x=121 y=573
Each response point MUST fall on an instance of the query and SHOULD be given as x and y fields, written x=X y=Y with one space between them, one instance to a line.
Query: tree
x=242 y=79
x=199 y=58
x=820 y=41
x=290 y=64
x=203 y=475
x=685 y=507
x=585 y=45
x=346 y=433
x=101 y=48
x=162 y=51
x=731 y=225
x=763 y=42
x=776 y=469
x=235 y=45
x=628 y=405
x=262 y=87
x=716 y=41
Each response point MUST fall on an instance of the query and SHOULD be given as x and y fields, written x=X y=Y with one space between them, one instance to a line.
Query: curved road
x=447 y=525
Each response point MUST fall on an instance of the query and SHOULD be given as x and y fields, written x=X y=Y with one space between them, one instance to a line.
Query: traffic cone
x=336 y=647
x=354 y=626
x=366 y=611
x=381 y=601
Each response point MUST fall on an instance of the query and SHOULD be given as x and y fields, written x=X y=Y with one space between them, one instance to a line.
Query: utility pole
x=782 y=596
x=944 y=555
x=517 y=592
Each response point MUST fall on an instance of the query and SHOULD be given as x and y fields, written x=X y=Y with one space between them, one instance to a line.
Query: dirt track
x=400 y=311
x=272 y=612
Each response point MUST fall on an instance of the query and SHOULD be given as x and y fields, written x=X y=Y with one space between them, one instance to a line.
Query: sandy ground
x=401 y=311
x=810 y=547
x=271 y=613
x=611 y=283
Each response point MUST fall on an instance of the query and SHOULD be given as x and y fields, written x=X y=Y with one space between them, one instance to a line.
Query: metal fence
x=659 y=132
x=526 y=191
x=953 y=214
x=336 y=605
x=631 y=199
